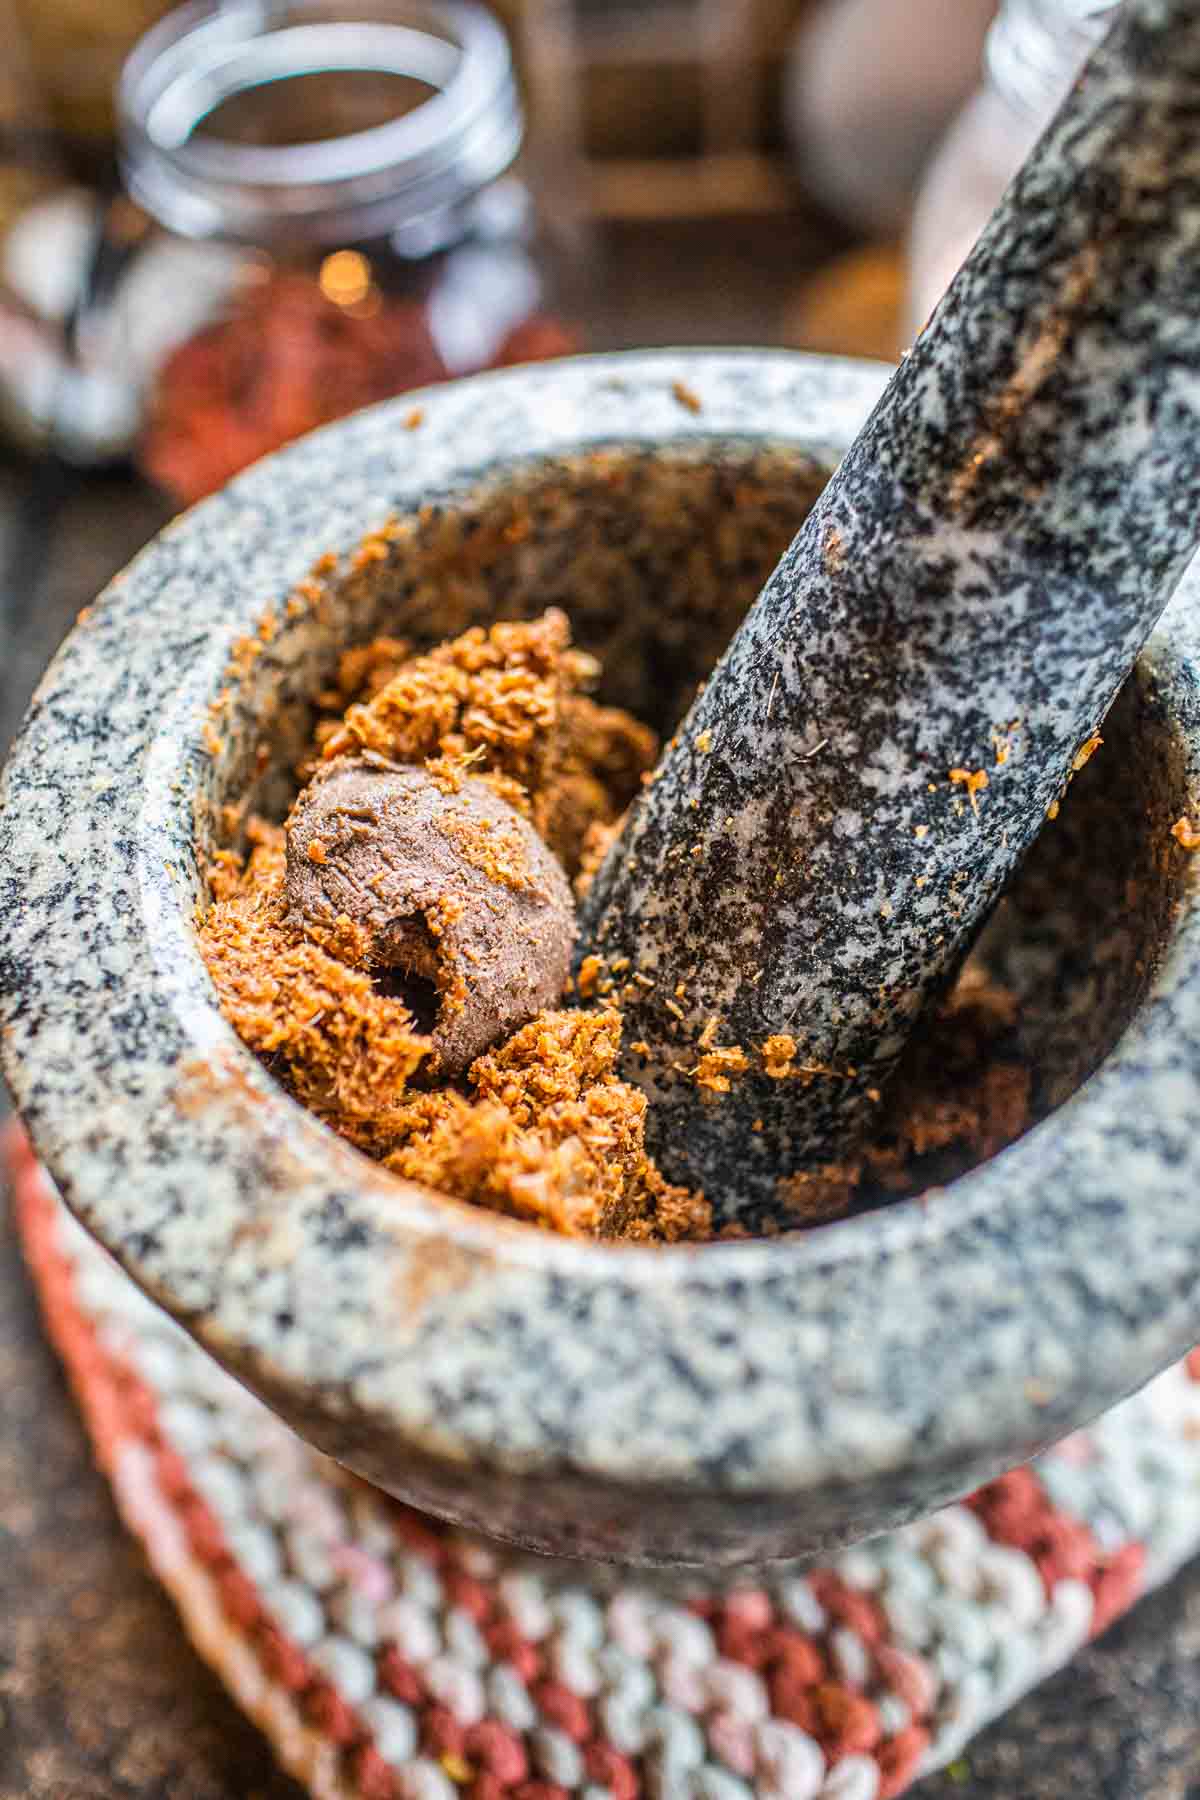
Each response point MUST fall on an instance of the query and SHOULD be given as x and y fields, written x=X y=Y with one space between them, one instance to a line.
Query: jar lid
x=1036 y=48
x=234 y=116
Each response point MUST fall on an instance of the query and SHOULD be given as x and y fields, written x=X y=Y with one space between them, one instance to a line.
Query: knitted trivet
x=391 y=1658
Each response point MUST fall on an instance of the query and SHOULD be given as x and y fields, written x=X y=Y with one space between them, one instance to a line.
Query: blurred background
x=223 y=224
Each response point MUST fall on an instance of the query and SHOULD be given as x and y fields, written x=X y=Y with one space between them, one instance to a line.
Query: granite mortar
x=719 y=1404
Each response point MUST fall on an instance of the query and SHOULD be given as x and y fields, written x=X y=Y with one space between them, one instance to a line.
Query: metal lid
x=316 y=188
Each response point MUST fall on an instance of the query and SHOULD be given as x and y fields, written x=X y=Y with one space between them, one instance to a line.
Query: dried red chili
x=289 y=359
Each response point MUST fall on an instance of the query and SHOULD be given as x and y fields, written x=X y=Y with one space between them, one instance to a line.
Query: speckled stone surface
x=962 y=604
x=102 y=1698
x=323 y=1605
x=724 y=1403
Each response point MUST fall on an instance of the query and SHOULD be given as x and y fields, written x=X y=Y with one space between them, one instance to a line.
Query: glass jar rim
x=1035 y=48
x=425 y=160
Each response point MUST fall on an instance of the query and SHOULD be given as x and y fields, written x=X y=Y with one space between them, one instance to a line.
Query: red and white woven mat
x=388 y=1657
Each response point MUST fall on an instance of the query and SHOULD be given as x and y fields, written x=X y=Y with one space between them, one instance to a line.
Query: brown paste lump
x=456 y=889
x=398 y=953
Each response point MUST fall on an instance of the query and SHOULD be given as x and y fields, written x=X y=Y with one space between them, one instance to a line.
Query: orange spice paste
x=540 y=1126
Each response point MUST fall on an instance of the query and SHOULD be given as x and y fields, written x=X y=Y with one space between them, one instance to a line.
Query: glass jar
x=319 y=208
x=1033 y=53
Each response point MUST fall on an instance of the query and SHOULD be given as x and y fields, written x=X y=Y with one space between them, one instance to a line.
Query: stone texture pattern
x=885 y=735
x=635 y=1403
x=102 y=1697
x=390 y=1660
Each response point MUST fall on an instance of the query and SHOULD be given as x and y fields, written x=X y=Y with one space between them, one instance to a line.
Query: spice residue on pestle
x=398 y=952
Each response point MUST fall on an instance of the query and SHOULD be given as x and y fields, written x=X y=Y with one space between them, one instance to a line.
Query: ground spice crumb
x=414 y=419
x=1082 y=756
x=779 y=1056
x=687 y=397
x=499 y=853
x=833 y=551
x=704 y=742
x=1186 y=834
x=974 y=782
x=589 y=975
x=1085 y=753
x=717 y=1065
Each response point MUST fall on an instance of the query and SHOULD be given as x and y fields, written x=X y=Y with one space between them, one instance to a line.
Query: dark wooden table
x=100 y=1696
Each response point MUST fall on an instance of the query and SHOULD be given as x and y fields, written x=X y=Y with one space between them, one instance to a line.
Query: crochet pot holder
x=388 y=1657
